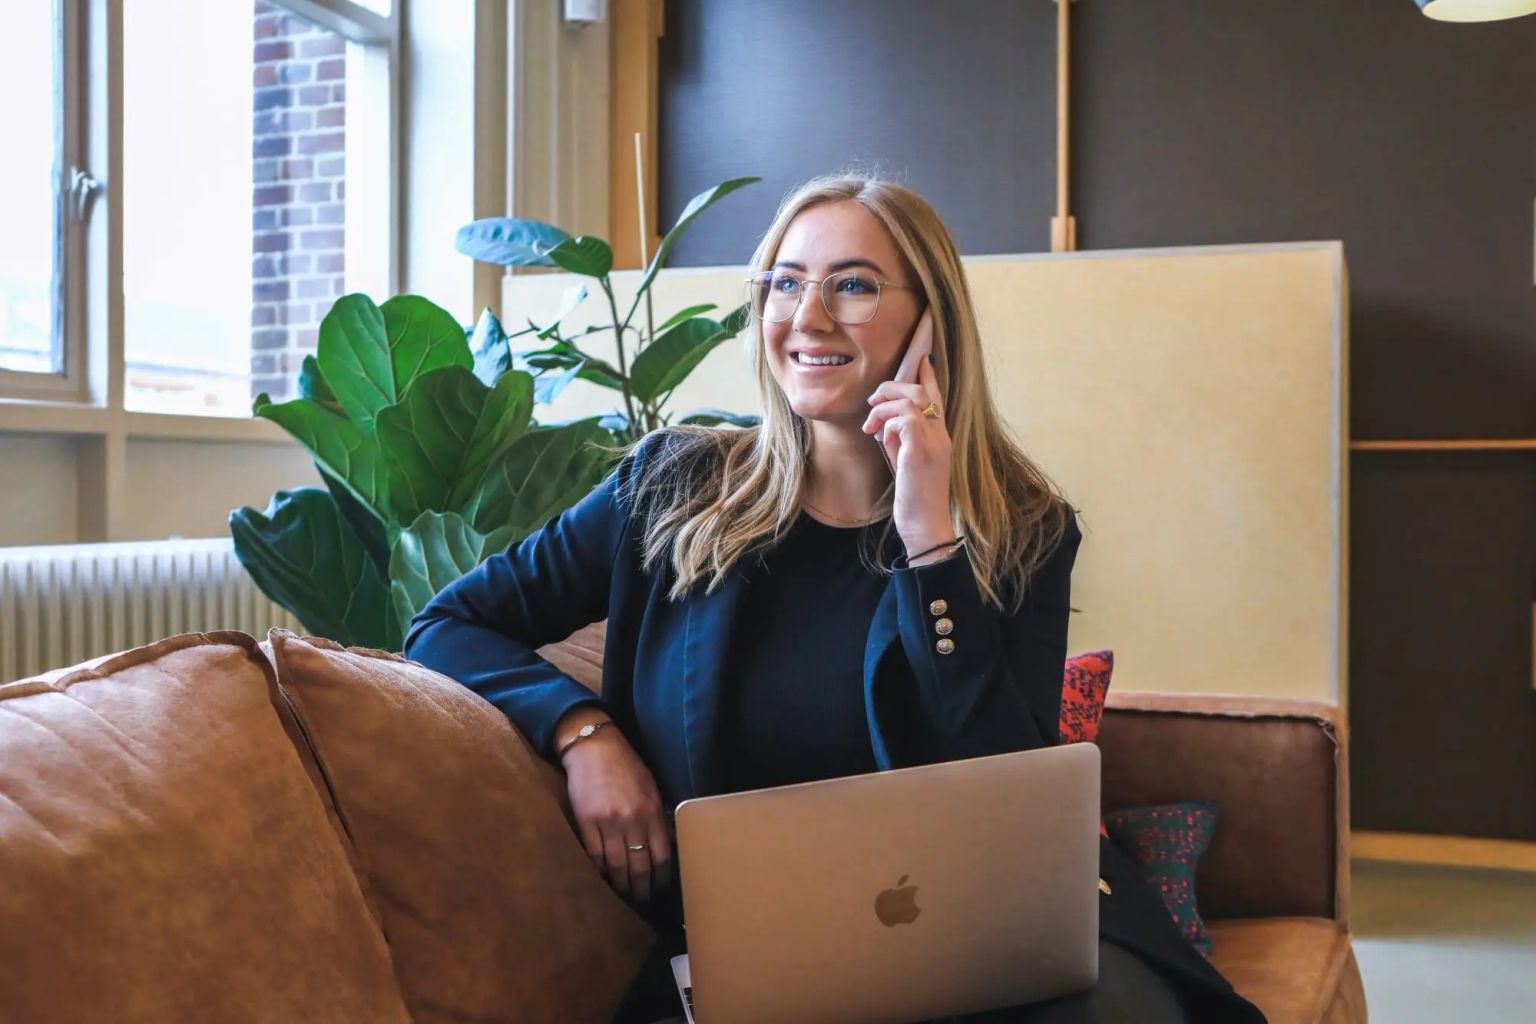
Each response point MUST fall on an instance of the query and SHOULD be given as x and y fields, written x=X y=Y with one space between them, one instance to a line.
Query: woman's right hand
x=617 y=805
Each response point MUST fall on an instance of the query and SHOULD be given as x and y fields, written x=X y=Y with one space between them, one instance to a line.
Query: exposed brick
x=264 y=75
x=293 y=25
x=299 y=167
x=295 y=72
x=270 y=195
x=327 y=142
x=314 y=287
x=296 y=263
x=264 y=219
x=315 y=192
x=332 y=167
x=306 y=338
x=266 y=99
x=339 y=285
x=339 y=92
x=265 y=363
x=332 y=238
x=315 y=95
x=266 y=24
x=272 y=338
x=264 y=266
x=341 y=190
x=326 y=45
x=296 y=313
x=333 y=70
x=298 y=215
x=272 y=145
x=271 y=241
x=331 y=213
x=330 y=263
x=273 y=51
x=270 y=291
x=262 y=316
x=331 y=117
x=263 y=171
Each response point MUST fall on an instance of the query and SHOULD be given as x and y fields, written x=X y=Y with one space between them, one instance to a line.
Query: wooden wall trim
x=634 y=70
x=1444 y=851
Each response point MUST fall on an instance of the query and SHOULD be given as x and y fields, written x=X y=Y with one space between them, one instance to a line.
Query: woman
x=875 y=577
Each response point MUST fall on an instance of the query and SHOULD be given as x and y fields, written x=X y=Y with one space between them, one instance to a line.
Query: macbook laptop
x=895 y=896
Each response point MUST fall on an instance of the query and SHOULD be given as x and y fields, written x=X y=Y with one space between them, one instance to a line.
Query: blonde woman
x=875 y=577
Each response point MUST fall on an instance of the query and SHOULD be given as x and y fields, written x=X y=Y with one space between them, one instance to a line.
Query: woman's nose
x=812 y=316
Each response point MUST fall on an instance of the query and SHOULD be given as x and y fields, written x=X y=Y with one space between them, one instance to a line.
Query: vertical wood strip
x=634 y=71
x=1063 y=225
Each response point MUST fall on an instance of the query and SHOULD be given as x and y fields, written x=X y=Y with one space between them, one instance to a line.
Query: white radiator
x=67 y=604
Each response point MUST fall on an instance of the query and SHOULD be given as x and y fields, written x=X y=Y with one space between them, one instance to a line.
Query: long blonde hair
x=714 y=495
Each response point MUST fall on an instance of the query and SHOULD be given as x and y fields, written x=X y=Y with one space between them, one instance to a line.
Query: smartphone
x=918 y=349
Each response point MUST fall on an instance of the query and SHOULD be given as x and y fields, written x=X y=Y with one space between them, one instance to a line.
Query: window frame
x=71 y=212
x=87 y=396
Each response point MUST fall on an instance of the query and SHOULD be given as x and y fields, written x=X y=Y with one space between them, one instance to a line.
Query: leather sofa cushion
x=491 y=907
x=1298 y=970
x=164 y=856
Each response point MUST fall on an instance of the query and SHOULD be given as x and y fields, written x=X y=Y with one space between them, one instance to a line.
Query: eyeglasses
x=849 y=297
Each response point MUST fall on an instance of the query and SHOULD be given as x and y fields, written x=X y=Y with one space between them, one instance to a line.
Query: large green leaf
x=666 y=362
x=545 y=472
x=303 y=554
x=697 y=205
x=431 y=553
x=369 y=354
x=313 y=386
x=509 y=241
x=585 y=255
x=338 y=444
x=439 y=441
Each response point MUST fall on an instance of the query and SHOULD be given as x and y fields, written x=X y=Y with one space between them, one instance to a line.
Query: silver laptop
x=896 y=896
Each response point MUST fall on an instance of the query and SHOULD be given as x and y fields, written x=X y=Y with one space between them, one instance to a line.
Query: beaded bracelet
x=958 y=540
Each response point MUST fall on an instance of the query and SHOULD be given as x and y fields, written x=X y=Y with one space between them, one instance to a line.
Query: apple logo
x=897 y=906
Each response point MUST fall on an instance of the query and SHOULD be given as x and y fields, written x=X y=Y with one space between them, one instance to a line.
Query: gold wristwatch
x=590 y=729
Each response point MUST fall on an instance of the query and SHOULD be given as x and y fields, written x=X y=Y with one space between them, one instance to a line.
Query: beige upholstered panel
x=1190 y=402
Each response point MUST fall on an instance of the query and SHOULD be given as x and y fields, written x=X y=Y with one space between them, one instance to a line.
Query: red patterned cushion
x=1084 y=685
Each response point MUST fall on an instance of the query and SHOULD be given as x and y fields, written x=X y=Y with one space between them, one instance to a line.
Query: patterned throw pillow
x=1084 y=685
x=1167 y=841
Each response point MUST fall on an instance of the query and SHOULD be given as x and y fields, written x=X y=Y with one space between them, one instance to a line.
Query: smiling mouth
x=805 y=360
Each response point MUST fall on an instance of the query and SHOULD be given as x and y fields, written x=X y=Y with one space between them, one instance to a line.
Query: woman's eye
x=856 y=285
x=785 y=284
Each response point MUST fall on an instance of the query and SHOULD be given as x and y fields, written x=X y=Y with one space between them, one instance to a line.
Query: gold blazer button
x=939 y=607
x=945 y=646
x=1104 y=887
x=944 y=627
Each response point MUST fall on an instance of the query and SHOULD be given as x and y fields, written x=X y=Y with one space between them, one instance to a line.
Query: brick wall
x=298 y=229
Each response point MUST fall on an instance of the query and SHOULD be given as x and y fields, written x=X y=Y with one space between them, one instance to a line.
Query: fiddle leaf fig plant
x=424 y=436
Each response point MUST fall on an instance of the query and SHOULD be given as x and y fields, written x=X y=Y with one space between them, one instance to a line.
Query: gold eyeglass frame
x=880 y=286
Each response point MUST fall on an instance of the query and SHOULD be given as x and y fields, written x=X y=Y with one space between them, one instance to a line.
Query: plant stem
x=618 y=340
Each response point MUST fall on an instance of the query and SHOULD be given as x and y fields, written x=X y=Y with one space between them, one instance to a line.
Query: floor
x=1445 y=946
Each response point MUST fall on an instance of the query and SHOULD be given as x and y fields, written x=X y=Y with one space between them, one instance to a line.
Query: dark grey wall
x=1202 y=122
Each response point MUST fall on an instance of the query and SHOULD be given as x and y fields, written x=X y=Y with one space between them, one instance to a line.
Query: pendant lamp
x=1475 y=10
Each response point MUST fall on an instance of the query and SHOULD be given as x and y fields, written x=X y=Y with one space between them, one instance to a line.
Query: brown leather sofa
x=211 y=829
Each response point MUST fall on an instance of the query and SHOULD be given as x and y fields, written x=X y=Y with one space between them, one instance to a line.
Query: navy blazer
x=663 y=661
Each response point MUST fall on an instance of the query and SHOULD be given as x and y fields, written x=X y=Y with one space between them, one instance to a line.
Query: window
x=34 y=186
x=256 y=191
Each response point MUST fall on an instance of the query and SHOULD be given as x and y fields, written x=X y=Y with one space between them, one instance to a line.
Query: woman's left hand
x=918 y=447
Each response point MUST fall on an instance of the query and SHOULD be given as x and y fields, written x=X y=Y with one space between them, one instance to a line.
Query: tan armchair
x=1274 y=886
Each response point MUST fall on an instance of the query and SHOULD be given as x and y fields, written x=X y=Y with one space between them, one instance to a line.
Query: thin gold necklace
x=829 y=515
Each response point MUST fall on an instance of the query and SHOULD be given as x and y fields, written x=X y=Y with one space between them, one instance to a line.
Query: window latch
x=83 y=187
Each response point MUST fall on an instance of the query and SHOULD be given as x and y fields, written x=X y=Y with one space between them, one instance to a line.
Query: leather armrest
x=1279 y=770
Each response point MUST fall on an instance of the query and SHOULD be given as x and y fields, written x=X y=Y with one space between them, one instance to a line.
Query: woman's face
x=819 y=242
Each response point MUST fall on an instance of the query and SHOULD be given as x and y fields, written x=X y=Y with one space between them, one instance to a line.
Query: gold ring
x=931 y=409
x=640 y=846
